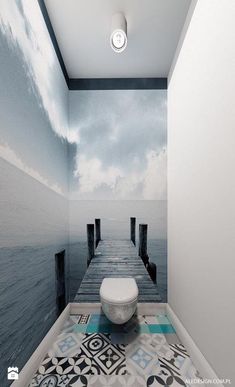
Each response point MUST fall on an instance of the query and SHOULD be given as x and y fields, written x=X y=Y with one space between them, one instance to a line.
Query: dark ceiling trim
x=53 y=38
x=117 y=83
x=99 y=83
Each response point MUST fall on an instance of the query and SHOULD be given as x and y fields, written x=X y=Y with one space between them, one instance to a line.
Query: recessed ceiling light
x=118 y=38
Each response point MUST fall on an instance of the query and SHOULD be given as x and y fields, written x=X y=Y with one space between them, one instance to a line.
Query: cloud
x=22 y=23
x=9 y=155
x=121 y=143
x=97 y=182
x=92 y=174
x=155 y=177
x=119 y=126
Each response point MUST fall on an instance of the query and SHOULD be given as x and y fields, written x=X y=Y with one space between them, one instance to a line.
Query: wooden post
x=152 y=270
x=97 y=232
x=90 y=242
x=60 y=281
x=132 y=229
x=143 y=229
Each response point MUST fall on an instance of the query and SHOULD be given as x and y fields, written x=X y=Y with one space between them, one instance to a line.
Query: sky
x=121 y=138
x=33 y=96
x=116 y=140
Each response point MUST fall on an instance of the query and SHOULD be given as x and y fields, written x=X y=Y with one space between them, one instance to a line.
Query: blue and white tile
x=140 y=358
x=66 y=345
x=69 y=324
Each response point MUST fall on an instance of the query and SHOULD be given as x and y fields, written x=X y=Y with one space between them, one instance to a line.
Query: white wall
x=201 y=183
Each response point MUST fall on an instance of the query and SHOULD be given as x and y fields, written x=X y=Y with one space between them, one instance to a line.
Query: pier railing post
x=60 y=281
x=90 y=242
x=143 y=229
x=152 y=270
x=132 y=229
x=97 y=232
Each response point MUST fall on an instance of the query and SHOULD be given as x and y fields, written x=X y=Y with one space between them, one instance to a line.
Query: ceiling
x=82 y=29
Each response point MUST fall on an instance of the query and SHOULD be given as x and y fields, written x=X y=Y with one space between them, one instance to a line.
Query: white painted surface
x=201 y=183
x=196 y=356
x=26 y=374
x=83 y=29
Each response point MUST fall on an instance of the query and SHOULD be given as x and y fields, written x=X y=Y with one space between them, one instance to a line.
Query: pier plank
x=116 y=258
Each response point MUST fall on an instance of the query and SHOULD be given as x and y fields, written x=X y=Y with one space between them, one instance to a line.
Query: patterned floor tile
x=176 y=360
x=189 y=372
x=116 y=381
x=155 y=340
x=165 y=378
x=163 y=319
x=110 y=360
x=63 y=366
x=99 y=319
x=151 y=320
x=69 y=324
x=83 y=318
x=131 y=325
x=172 y=338
x=140 y=358
x=66 y=345
x=94 y=343
x=93 y=352
x=130 y=338
x=117 y=338
x=161 y=328
x=95 y=328
x=80 y=328
x=59 y=381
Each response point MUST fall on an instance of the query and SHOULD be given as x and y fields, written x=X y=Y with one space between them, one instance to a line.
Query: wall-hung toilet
x=119 y=297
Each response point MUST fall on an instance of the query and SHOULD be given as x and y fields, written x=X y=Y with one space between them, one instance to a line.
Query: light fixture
x=118 y=38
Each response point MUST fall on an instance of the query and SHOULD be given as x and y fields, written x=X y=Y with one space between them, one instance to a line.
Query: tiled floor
x=91 y=351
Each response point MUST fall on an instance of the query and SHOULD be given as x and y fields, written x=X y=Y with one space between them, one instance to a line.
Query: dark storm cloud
x=119 y=127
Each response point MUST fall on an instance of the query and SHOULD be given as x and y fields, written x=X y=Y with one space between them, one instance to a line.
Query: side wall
x=33 y=180
x=201 y=183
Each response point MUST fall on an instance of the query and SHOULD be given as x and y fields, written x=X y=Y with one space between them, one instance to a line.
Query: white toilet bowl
x=119 y=297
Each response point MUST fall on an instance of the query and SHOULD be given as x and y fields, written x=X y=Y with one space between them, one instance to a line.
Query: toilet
x=119 y=297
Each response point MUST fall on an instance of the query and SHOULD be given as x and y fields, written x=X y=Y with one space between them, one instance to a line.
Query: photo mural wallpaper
x=118 y=169
x=66 y=157
x=33 y=180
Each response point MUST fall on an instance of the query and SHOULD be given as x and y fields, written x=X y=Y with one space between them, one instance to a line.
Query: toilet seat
x=118 y=290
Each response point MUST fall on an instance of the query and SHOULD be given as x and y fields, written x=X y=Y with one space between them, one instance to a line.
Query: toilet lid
x=118 y=290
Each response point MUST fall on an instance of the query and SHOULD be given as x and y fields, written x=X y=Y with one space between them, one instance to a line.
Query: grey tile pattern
x=130 y=356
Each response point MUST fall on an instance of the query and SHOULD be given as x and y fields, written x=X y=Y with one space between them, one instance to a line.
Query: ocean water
x=28 y=293
x=157 y=251
x=27 y=308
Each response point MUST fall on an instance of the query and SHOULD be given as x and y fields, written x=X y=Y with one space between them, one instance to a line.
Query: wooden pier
x=118 y=258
